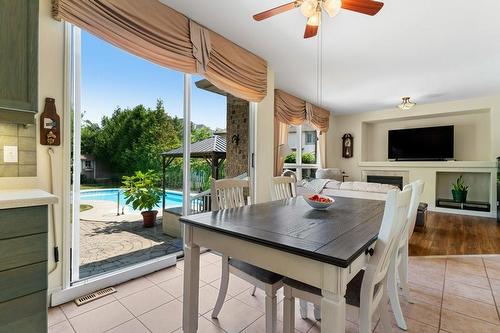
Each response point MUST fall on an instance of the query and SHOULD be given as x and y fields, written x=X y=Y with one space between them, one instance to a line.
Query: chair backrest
x=228 y=193
x=283 y=188
x=416 y=194
x=395 y=215
x=290 y=173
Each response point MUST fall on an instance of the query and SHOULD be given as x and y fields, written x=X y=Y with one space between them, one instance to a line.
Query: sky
x=113 y=78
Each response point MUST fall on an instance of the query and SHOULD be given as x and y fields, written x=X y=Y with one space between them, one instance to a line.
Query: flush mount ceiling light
x=406 y=104
x=312 y=9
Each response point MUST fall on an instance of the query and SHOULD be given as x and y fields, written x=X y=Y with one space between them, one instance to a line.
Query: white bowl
x=316 y=204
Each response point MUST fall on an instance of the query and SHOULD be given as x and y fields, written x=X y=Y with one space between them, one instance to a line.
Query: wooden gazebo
x=213 y=150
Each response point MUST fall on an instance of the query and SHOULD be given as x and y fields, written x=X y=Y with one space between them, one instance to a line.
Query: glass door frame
x=72 y=93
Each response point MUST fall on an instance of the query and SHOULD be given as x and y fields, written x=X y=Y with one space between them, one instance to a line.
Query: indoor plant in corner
x=141 y=190
x=459 y=190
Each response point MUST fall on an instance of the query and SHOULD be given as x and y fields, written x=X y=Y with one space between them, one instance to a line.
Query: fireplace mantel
x=430 y=164
x=428 y=172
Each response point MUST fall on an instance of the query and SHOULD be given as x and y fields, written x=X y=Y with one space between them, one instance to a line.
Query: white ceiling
x=430 y=50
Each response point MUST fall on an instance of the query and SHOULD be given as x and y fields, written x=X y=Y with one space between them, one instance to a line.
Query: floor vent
x=95 y=295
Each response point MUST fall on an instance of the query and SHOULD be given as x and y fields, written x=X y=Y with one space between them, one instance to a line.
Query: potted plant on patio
x=141 y=190
x=459 y=190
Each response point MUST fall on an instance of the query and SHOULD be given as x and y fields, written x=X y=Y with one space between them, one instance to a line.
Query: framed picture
x=347 y=145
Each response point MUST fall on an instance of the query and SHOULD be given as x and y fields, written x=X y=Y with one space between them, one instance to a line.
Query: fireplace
x=390 y=180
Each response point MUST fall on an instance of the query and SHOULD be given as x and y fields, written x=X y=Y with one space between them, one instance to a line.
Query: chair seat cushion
x=352 y=295
x=260 y=274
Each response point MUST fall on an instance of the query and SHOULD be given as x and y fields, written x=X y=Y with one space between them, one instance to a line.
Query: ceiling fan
x=311 y=9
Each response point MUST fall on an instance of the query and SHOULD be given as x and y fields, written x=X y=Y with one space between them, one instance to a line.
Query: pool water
x=172 y=198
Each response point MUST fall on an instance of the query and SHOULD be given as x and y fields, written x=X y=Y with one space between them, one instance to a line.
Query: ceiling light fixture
x=308 y=8
x=406 y=104
x=314 y=20
x=332 y=7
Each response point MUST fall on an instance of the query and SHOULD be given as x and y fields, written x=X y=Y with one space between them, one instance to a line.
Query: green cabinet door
x=18 y=60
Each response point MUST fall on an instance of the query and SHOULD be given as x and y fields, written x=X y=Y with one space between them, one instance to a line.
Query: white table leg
x=191 y=283
x=332 y=312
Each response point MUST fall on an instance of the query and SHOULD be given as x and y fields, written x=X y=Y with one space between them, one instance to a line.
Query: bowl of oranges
x=317 y=201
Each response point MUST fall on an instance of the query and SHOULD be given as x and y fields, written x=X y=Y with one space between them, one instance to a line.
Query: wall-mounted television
x=422 y=144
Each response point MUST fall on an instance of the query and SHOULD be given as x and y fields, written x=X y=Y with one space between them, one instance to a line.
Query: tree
x=200 y=133
x=132 y=139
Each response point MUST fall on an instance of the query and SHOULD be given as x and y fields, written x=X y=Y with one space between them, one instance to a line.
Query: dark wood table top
x=337 y=235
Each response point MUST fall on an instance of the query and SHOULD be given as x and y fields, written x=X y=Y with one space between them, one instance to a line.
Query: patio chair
x=367 y=289
x=226 y=194
x=283 y=187
x=399 y=264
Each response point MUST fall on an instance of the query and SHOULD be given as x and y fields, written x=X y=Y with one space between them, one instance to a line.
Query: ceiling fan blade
x=275 y=11
x=311 y=31
x=368 y=7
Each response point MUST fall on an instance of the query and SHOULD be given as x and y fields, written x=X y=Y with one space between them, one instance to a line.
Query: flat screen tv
x=421 y=144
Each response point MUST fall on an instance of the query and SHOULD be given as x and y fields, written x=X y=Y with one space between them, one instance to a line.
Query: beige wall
x=50 y=84
x=470 y=131
x=483 y=117
x=264 y=143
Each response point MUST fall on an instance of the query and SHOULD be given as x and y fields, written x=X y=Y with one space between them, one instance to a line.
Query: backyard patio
x=109 y=242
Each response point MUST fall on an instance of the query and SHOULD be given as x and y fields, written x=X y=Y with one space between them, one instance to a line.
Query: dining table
x=323 y=248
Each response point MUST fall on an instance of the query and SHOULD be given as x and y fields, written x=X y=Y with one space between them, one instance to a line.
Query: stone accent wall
x=237 y=124
x=22 y=136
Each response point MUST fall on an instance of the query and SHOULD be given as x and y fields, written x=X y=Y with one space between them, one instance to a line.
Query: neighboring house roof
x=86 y=157
x=215 y=145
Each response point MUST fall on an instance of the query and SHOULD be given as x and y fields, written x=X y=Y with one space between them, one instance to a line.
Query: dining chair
x=399 y=263
x=367 y=290
x=283 y=187
x=226 y=194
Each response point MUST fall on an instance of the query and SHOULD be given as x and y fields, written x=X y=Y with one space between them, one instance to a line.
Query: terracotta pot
x=149 y=218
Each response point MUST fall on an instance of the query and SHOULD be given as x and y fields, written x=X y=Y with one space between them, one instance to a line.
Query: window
x=87 y=164
x=310 y=137
x=303 y=144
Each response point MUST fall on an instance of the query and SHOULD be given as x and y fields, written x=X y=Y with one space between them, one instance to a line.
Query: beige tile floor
x=451 y=294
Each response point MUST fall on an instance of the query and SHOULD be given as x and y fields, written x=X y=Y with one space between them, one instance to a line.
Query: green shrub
x=307 y=158
x=142 y=190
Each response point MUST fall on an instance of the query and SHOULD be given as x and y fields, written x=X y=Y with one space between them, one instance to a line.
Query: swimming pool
x=172 y=198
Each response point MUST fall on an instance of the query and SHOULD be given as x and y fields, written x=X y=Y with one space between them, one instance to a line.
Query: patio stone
x=109 y=242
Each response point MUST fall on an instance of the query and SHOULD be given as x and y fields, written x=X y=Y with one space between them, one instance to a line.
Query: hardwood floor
x=448 y=234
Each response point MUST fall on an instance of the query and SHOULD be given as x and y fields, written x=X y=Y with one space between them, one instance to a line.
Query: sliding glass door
x=127 y=113
x=130 y=118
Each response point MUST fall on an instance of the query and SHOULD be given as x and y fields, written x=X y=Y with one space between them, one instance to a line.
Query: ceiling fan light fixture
x=308 y=8
x=314 y=20
x=406 y=103
x=332 y=7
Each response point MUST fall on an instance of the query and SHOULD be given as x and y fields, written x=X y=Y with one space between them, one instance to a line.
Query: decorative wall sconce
x=347 y=145
x=235 y=139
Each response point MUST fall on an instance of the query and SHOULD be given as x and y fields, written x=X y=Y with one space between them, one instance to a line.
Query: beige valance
x=158 y=33
x=292 y=110
x=289 y=109
x=319 y=118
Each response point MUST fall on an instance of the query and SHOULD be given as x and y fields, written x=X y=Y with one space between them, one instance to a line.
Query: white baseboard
x=111 y=279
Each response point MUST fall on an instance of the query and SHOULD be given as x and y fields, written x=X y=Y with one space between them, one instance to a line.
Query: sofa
x=328 y=183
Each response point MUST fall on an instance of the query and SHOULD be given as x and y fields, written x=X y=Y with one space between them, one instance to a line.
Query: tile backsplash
x=24 y=137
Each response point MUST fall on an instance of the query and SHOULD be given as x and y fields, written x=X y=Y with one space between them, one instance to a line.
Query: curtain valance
x=292 y=110
x=158 y=33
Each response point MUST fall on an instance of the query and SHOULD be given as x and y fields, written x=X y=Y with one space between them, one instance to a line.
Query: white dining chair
x=368 y=289
x=399 y=264
x=283 y=187
x=227 y=194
